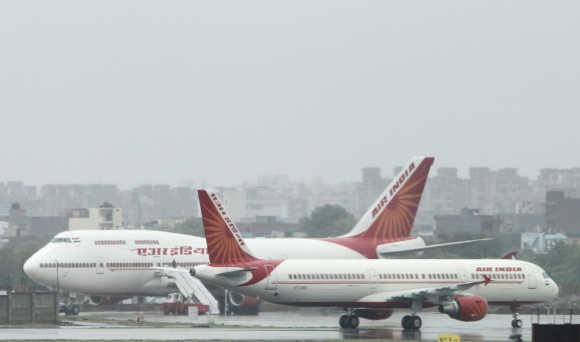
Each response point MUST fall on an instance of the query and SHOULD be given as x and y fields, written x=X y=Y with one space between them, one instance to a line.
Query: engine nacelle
x=107 y=300
x=373 y=314
x=465 y=308
x=242 y=304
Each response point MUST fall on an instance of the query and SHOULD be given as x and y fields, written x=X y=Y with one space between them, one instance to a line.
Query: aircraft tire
x=415 y=322
x=343 y=321
x=517 y=323
x=353 y=322
x=75 y=309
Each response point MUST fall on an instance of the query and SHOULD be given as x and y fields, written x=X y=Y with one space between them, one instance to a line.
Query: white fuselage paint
x=528 y=285
x=107 y=278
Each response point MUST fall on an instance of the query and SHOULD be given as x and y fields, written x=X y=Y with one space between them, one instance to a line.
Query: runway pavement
x=302 y=325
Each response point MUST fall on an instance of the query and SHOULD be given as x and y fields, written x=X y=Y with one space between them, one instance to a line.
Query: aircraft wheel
x=517 y=323
x=75 y=309
x=415 y=322
x=344 y=321
x=353 y=322
x=411 y=322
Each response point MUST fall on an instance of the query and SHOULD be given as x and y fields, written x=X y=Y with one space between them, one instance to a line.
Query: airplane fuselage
x=369 y=283
x=119 y=262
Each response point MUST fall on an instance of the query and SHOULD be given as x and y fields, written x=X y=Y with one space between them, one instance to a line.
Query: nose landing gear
x=349 y=321
x=516 y=321
x=411 y=322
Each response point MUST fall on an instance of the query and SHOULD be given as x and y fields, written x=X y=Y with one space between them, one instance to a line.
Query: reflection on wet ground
x=276 y=325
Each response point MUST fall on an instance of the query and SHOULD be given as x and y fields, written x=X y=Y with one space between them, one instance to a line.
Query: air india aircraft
x=370 y=289
x=122 y=263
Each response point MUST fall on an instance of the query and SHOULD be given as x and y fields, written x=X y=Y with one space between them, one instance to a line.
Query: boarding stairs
x=191 y=287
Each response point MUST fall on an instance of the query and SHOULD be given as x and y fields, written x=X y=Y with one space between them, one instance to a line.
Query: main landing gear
x=411 y=322
x=349 y=321
x=516 y=321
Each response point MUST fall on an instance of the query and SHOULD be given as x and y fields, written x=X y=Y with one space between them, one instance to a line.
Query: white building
x=104 y=218
x=541 y=242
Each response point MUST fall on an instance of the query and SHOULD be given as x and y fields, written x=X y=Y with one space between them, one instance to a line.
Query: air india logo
x=224 y=241
x=395 y=217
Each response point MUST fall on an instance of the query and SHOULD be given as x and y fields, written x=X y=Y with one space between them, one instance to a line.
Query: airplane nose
x=556 y=289
x=28 y=267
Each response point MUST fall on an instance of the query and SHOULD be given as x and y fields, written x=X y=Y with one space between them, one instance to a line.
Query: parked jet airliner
x=121 y=263
x=369 y=288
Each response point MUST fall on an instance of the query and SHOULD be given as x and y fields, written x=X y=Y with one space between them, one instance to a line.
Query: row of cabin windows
x=129 y=264
x=114 y=264
x=395 y=276
x=150 y=264
x=500 y=276
x=68 y=264
x=146 y=242
x=109 y=242
x=341 y=276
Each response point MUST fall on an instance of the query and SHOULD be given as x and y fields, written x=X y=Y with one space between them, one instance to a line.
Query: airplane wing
x=190 y=286
x=236 y=273
x=429 y=293
x=406 y=250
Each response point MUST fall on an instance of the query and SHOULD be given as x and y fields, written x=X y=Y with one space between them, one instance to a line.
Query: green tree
x=12 y=258
x=328 y=220
x=562 y=263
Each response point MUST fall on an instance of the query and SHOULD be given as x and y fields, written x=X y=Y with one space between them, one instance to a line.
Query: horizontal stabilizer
x=407 y=250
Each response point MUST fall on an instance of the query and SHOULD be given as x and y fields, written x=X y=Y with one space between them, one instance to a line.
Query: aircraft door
x=372 y=278
x=532 y=281
x=100 y=269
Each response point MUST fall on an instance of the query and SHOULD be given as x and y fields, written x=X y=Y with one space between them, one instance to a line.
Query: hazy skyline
x=131 y=92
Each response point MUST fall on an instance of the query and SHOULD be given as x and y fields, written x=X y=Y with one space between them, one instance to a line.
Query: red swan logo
x=396 y=219
x=224 y=241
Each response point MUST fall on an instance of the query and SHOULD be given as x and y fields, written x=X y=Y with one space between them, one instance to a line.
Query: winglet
x=392 y=215
x=225 y=244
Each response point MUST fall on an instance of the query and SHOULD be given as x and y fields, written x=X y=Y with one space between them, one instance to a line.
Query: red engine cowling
x=374 y=314
x=242 y=304
x=465 y=308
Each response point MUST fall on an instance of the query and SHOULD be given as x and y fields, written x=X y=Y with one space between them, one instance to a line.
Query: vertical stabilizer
x=225 y=244
x=392 y=215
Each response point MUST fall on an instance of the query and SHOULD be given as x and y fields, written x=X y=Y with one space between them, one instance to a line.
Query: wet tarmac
x=275 y=326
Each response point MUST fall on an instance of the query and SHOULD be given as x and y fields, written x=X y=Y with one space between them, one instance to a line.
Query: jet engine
x=373 y=314
x=242 y=304
x=465 y=308
x=105 y=300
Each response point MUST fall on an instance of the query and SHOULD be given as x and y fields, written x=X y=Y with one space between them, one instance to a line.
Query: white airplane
x=123 y=263
x=371 y=289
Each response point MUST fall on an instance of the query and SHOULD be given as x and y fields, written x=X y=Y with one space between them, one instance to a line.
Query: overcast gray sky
x=133 y=92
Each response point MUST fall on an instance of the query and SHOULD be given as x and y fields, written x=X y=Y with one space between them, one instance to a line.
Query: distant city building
x=269 y=226
x=17 y=223
x=562 y=213
x=540 y=242
x=105 y=217
x=369 y=189
x=468 y=221
x=520 y=204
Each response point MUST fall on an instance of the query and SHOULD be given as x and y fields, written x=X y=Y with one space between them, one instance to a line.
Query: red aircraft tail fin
x=393 y=213
x=225 y=244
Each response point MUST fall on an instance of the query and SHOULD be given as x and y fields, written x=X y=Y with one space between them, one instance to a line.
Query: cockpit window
x=545 y=275
x=61 y=240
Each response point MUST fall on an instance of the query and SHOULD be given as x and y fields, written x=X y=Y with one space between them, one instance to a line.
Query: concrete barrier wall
x=4 y=309
x=27 y=308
